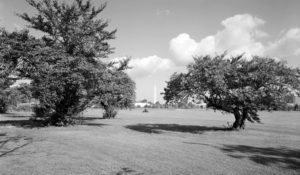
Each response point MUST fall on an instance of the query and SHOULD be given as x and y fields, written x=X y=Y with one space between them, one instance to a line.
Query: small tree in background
x=10 y=97
x=23 y=92
x=13 y=46
x=235 y=85
x=117 y=90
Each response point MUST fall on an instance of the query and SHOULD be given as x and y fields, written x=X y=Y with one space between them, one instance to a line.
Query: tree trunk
x=237 y=117
x=110 y=112
x=58 y=119
x=3 y=106
x=244 y=117
x=240 y=119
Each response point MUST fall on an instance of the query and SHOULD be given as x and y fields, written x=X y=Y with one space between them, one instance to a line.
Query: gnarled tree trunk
x=109 y=112
x=240 y=119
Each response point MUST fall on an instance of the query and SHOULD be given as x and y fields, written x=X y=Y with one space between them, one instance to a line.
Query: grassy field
x=159 y=142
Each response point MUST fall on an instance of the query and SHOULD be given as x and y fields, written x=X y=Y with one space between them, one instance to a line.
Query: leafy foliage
x=235 y=85
x=175 y=88
x=74 y=27
x=117 y=90
x=12 y=96
x=65 y=89
x=23 y=93
x=63 y=65
x=13 y=47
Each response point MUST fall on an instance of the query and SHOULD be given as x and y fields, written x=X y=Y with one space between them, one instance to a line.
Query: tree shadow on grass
x=94 y=124
x=281 y=156
x=29 y=124
x=22 y=123
x=88 y=118
x=124 y=171
x=16 y=116
x=158 y=128
x=2 y=134
x=195 y=143
x=10 y=144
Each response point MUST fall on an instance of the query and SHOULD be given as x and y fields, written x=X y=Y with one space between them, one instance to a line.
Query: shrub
x=109 y=112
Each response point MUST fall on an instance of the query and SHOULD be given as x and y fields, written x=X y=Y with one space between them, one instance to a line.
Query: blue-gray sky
x=162 y=36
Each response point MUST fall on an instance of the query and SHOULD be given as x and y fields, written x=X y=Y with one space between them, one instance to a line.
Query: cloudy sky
x=162 y=36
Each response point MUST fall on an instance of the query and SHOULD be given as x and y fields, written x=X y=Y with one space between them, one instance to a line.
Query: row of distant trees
x=287 y=105
x=65 y=65
x=179 y=105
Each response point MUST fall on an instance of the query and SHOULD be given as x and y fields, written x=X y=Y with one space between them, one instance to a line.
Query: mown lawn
x=159 y=142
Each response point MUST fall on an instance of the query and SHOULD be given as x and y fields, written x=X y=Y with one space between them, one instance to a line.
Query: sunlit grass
x=158 y=142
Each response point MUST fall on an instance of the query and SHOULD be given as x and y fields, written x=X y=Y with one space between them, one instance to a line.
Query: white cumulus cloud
x=241 y=34
x=286 y=46
x=184 y=48
x=147 y=66
x=164 y=12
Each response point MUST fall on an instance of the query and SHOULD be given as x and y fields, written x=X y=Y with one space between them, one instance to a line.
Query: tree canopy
x=117 y=91
x=14 y=47
x=235 y=85
x=64 y=66
x=75 y=28
x=67 y=65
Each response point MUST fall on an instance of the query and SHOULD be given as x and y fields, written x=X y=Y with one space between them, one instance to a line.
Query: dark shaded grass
x=16 y=116
x=281 y=156
x=158 y=128
x=94 y=124
x=29 y=124
x=22 y=123
x=125 y=171
x=88 y=118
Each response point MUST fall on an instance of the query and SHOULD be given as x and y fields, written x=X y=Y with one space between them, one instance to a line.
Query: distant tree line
x=177 y=105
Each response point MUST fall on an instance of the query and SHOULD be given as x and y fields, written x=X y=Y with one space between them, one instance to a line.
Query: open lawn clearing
x=158 y=142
